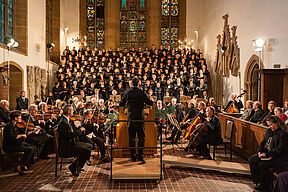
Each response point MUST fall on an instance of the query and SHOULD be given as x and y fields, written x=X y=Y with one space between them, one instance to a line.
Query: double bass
x=232 y=108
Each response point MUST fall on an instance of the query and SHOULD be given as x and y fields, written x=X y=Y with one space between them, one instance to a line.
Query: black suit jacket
x=21 y=104
x=68 y=136
x=214 y=130
x=256 y=116
x=9 y=141
x=135 y=99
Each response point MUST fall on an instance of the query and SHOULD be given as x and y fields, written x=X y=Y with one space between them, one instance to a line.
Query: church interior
x=143 y=95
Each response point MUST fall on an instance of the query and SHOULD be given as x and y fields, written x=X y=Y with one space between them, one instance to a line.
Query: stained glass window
x=6 y=19
x=170 y=23
x=2 y=21
x=132 y=23
x=10 y=18
x=95 y=23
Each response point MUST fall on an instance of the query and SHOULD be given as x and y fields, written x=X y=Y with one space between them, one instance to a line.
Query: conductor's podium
x=122 y=137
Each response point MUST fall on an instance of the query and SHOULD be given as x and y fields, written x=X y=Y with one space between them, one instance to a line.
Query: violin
x=76 y=118
x=42 y=116
x=101 y=119
x=23 y=124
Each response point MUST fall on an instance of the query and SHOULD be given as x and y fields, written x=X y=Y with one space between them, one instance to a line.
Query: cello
x=197 y=135
x=192 y=126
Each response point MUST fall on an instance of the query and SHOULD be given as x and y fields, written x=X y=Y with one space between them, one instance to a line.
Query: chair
x=2 y=153
x=56 y=144
x=227 y=139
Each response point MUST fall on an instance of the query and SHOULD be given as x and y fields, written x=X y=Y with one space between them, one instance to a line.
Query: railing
x=117 y=148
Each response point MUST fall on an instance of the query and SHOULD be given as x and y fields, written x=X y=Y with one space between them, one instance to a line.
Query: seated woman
x=248 y=110
x=15 y=142
x=274 y=148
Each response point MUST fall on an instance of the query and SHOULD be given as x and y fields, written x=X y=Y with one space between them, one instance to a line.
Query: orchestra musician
x=190 y=114
x=91 y=135
x=14 y=141
x=213 y=135
x=69 y=144
x=4 y=112
x=159 y=121
x=50 y=122
x=135 y=99
x=36 y=134
x=272 y=153
x=22 y=101
x=234 y=101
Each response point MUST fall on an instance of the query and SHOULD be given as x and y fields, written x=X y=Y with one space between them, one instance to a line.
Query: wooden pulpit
x=122 y=137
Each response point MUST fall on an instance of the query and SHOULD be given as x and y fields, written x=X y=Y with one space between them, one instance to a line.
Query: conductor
x=135 y=99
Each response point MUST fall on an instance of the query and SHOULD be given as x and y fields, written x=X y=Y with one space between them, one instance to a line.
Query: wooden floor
x=124 y=168
x=223 y=166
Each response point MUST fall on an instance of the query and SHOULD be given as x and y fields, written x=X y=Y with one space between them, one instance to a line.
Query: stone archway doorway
x=250 y=78
x=16 y=82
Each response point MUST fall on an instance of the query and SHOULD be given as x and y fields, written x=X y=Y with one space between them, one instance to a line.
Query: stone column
x=83 y=19
x=153 y=23
x=56 y=32
x=112 y=24
x=182 y=19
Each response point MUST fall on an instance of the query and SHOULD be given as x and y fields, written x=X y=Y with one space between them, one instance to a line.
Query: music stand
x=174 y=122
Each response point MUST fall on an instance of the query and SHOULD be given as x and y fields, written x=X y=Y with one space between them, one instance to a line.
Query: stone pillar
x=56 y=32
x=153 y=23
x=83 y=19
x=182 y=19
x=112 y=24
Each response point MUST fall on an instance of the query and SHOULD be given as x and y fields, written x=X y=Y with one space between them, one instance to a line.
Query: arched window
x=170 y=23
x=132 y=23
x=95 y=23
x=6 y=19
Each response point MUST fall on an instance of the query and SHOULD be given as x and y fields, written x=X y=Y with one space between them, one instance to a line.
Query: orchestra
x=86 y=100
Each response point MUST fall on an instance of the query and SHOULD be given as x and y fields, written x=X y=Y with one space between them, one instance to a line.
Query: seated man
x=37 y=135
x=50 y=122
x=274 y=146
x=91 y=135
x=190 y=115
x=4 y=112
x=213 y=135
x=69 y=144
x=258 y=113
x=14 y=141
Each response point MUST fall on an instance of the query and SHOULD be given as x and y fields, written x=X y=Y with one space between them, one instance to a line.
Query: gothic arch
x=16 y=82
x=250 y=77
